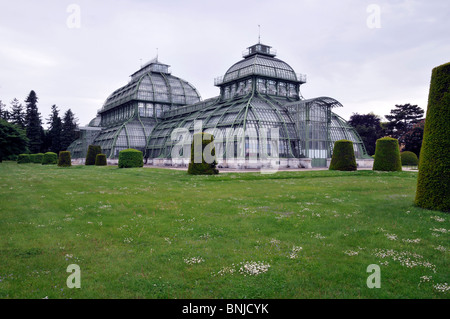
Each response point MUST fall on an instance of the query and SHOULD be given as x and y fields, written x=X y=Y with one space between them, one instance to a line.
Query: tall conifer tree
x=69 y=130
x=4 y=114
x=54 y=130
x=33 y=123
x=17 y=114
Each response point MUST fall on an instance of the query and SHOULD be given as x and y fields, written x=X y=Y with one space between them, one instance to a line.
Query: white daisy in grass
x=253 y=268
x=193 y=260
x=444 y=287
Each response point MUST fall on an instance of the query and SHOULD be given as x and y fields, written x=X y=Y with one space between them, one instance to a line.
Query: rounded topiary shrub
x=387 y=155
x=37 y=158
x=92 y=152
x=203 y=144
x=23 y=159
x=433 y=186
x=409 y=158
x=343 y=158
x=64 y=159
x=131 y=158
x=50 y=158
x=100 y=160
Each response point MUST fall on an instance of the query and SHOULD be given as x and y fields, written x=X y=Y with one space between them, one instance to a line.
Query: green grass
x=132 y=231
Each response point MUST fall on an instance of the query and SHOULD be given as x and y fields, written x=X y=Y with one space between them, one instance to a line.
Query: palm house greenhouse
x=260 y=116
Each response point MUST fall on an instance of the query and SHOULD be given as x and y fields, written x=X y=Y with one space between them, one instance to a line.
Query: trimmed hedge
x=64 y=159
x=343 y=158
x=92 y=152
x=433 y=186
x=205 y=167
x=409 y=158
x=36 y=158
x=131 y=158
x=100 y=160
x=50 y=158
x=387 y=155
x=23 y=159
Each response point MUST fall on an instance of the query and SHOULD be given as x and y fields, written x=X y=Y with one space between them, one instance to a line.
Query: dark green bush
x=206 y=166
x=343 y=158
x=100 y=160
x=64 y=159
x=11 y=157
x=50 y=158
x=23 y=159
x=387 y=155
x=36 y=158
x=433 y=183
x=131 y=158
x=409 y=158
x=92 y=152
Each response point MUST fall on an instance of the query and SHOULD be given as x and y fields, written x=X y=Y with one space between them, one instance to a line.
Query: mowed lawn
x=159 y=233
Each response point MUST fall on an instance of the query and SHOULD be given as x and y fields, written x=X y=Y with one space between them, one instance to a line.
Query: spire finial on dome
x=259 y=34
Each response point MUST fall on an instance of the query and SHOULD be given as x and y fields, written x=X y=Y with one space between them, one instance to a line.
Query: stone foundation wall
x=360 y=162
x=237 y=163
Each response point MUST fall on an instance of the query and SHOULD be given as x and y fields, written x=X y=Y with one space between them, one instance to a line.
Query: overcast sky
x=369 y=55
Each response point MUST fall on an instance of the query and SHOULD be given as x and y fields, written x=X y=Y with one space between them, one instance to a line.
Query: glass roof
x=154 y=83
x=259 y=62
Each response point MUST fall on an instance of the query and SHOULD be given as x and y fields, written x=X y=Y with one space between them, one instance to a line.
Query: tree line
x=21 y=129
x=405 y=123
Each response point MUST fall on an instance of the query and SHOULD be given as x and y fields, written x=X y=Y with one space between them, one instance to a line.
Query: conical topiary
x=433 y=183
x=92 y=152
x=387 y=155
x=343 y=158
x=64 y=159
x=100 y=160
x=203 y=144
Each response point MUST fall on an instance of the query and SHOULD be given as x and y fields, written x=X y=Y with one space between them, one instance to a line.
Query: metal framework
x=130 y=113
x=257 y=94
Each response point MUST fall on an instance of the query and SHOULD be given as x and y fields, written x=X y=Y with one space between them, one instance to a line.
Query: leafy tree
x=17 y=114
x=13 y=140
x=369 y=128
x=413 y=138
x=54 y=131
x=69 y=132
x=33 y=123
x=402 y=119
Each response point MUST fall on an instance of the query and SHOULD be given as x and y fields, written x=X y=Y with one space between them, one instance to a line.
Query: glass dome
x=154 y=83
x=260 y=60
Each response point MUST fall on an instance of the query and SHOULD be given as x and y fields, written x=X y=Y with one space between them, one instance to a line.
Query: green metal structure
x=257 y=94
